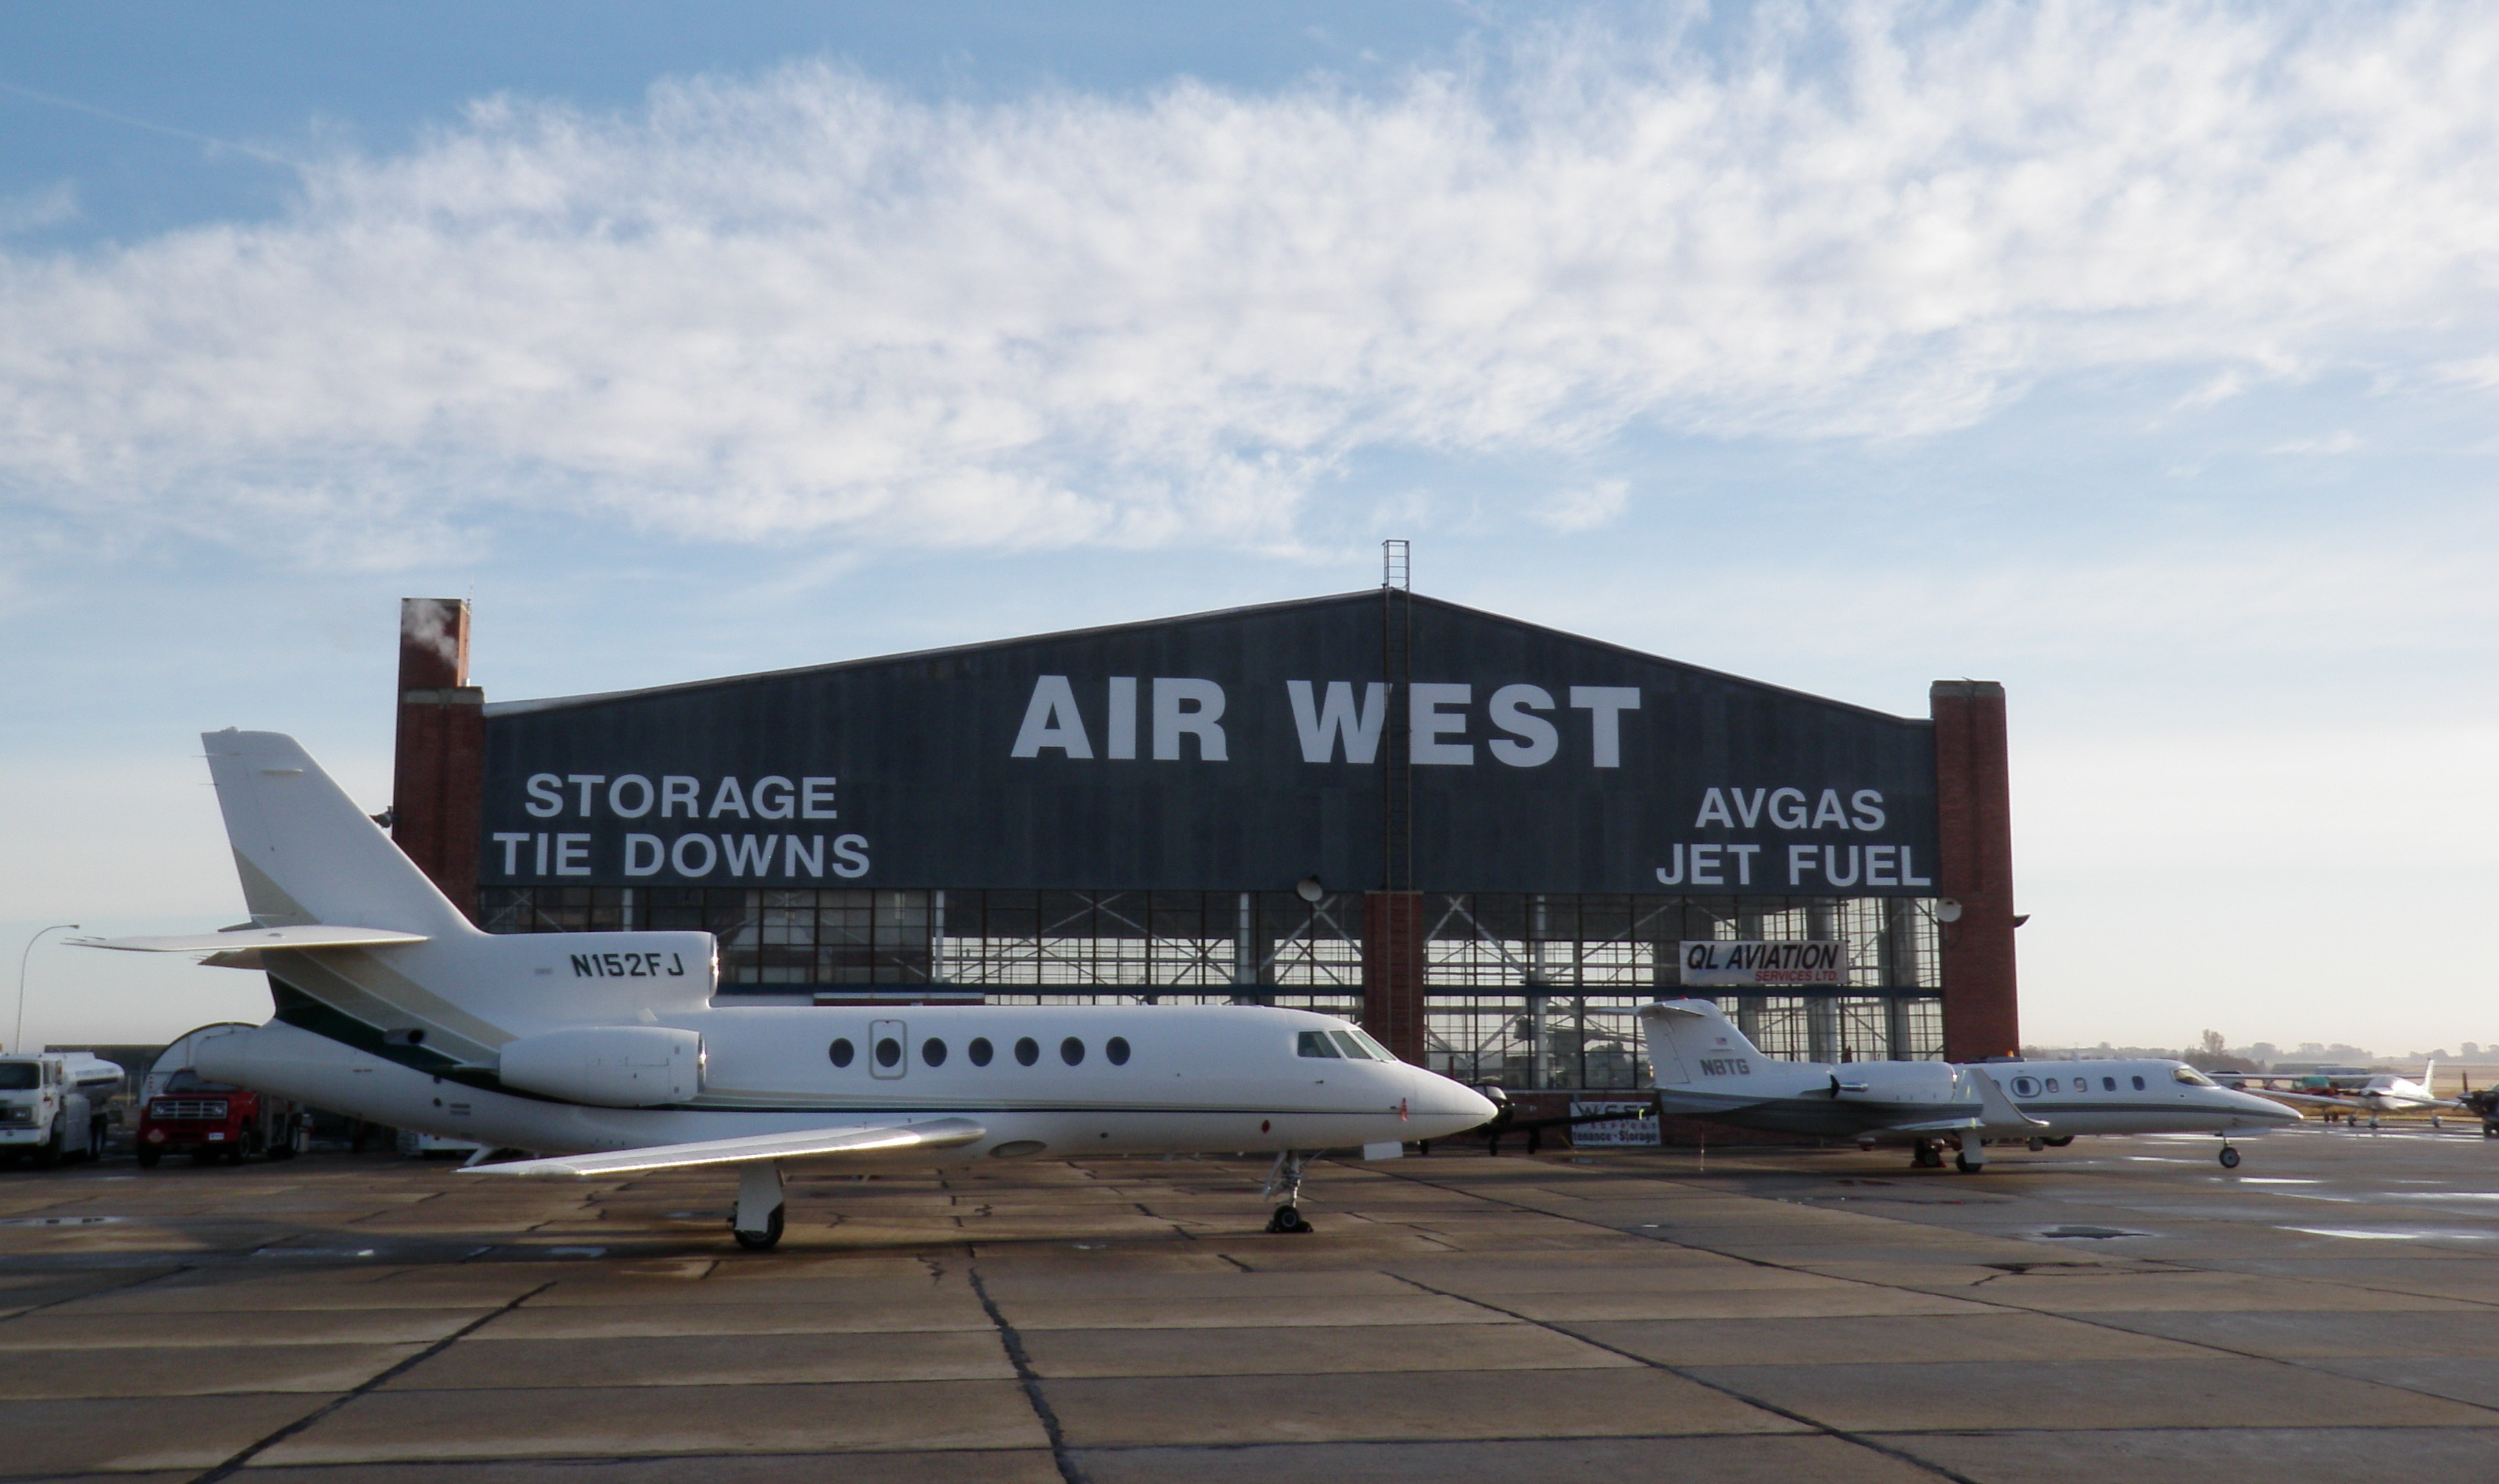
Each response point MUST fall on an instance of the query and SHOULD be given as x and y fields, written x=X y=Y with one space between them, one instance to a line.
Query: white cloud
x=2341 y=442
x=806 y=302
x=34 y=210
x=1585 y=509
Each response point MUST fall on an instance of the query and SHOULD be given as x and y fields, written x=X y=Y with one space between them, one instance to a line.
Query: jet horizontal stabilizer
x=316 y=935
x=752 y=1148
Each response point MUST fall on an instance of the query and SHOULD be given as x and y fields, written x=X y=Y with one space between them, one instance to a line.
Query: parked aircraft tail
x=360 y=946
x=307 y=853
x=1684 y=1034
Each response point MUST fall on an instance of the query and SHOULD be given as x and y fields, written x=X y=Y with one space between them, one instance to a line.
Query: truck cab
x=51 y=1105
x=188 y=1114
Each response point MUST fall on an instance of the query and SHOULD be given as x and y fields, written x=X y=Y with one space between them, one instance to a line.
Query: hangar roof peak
x=1367 y=598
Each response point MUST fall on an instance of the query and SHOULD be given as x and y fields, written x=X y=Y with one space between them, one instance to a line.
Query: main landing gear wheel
x=1926 y=1154
x=1968 y=1166
x=2229 y=1157
x=764 y=1240
x=755 y=1222
x=1287 y=1221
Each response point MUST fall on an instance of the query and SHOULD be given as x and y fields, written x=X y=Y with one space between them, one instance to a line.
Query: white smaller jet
x=2382 y=1094
x=1707 y=1069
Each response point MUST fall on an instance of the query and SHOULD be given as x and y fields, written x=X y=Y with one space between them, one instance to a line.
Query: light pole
x=16 y=1034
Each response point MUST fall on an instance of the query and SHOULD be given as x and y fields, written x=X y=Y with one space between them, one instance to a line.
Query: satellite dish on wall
x=1309 y=889
x=1947 y=911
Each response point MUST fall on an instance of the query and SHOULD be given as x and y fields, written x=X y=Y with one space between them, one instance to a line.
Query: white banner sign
x=1720 y=962
x=1630 y=1132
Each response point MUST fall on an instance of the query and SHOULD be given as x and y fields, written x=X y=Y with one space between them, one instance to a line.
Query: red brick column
x=437 y=791
x=1974 y=815
x=1392 y=971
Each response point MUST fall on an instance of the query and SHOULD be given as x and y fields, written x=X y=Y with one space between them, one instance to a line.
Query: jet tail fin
x=307 y=853
x=1684 y=1032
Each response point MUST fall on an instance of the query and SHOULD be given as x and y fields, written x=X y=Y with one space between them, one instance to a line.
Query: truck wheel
x=97 y=1130
x=148 y=1154
x=48 y=1152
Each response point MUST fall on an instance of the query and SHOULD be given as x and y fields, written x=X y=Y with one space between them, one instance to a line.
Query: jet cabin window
x=2025 y=1088
x=2192 y=1077
x=979 y=1050
x=2138 y=1085
x=841 y=1051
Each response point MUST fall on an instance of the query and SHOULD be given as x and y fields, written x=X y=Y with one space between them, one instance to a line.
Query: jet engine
x=610 y=1066
x=1893 y=1082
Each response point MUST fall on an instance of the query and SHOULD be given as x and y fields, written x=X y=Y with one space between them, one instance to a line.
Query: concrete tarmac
x=2122 y=1309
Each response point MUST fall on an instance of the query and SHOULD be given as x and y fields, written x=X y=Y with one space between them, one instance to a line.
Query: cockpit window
x=1378 y=1053
x=1318 y=1044
x=19 y=1076
x=2192 y=1077
x=1353 y=1049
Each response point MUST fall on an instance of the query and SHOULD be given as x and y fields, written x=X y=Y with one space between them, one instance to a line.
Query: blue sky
x=2140 y=358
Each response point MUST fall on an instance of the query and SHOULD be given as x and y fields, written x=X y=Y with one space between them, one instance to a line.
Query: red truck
x=211 y=1120
x=181 y=1111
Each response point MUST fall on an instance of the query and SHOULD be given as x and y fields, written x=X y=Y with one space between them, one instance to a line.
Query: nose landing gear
x=2229 y=1157
x=1286 y=1176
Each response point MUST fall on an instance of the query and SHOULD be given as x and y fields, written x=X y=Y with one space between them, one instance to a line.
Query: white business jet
x=1706 y=1068
x=606 y=1050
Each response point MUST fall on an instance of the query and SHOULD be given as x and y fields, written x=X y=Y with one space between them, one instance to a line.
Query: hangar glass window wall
x=1521 y=990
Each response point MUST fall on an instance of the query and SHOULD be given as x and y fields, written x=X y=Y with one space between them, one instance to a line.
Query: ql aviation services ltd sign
x=1232 y=751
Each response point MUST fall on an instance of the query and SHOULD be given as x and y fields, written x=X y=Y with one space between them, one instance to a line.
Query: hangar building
x=1489 y=841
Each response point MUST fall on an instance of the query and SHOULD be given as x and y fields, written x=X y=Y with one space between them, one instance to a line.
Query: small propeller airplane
x=607 y=1055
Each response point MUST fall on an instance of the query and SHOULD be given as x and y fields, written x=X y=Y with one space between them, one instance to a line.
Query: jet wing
x=242 y=939
x=754 y=1148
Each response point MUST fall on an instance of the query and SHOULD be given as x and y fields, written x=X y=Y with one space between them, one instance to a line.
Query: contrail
x=152 y=128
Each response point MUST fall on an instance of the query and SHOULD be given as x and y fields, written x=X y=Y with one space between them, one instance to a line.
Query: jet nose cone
x=1449 y=1106
x=2267 y=1109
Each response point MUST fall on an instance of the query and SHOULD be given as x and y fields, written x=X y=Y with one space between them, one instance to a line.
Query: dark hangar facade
x=1485 y=839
